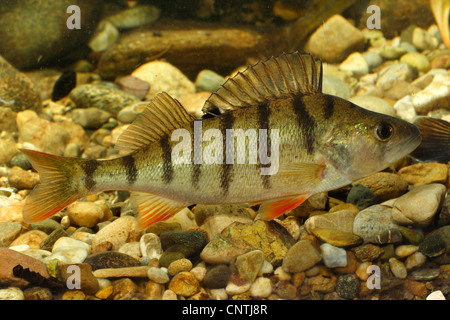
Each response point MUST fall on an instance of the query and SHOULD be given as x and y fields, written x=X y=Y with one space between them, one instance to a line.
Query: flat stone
x=326 y=43
x=337 y=238
x=419 y=206
x=339 y=220
x=385 y=185
x=373 y=221
x=217 y=277
x=300 y=257
x=111 y=259
x=8 y=232
x=184 y=284
x=436 y=95
x=224 y=250
x=128 y=272
x=249 y=264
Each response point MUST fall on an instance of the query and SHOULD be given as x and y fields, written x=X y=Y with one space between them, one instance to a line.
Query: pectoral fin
x=274 y=208
x=153 y=208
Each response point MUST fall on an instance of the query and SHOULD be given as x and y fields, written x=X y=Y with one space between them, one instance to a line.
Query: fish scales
x=274 y=139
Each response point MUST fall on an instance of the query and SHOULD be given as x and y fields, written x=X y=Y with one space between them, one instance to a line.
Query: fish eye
x=384 y=131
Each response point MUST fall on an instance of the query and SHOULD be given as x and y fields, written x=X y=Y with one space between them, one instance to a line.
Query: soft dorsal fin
x=288 y=74
x=161 y=117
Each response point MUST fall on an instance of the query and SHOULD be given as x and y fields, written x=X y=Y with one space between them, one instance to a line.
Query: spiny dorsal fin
x=161 y=117
x=288 y=74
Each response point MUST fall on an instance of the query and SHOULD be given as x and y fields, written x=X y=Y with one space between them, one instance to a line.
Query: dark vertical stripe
x=328 y=106
x=226 y=122
x=196 y=167
x=167 y=169
x=89 y=168
x=263 y=121
x=130 y=166
x=306 y=123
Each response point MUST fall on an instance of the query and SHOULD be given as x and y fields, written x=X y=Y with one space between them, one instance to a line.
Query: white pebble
x=157 y=275
x=332 y=256
x=199 y=271
x=261 y=288
x=217 y=294
x=169 y=295
x=150 y=245
x=282 y=275
x=436 y=295
x=11 y=293
x=406 y=250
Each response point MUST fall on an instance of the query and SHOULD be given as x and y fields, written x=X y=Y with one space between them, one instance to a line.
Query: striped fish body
x=276 y=140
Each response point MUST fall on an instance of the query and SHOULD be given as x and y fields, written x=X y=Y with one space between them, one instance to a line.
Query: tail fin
x=435 y=144
x=56 y=189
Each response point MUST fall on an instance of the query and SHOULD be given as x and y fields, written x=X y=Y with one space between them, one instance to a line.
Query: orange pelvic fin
x=153 y=208
x=274 y=208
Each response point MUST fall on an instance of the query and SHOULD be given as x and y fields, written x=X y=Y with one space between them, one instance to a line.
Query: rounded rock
x=178 y=266
x=217 y=277
x=333 y=256
x=85 y=214
x=158 y=275
x=300 y=257
x=150 y=246
x=347 y=286
x=398 y=268
x=184 y=284
x=404 y=251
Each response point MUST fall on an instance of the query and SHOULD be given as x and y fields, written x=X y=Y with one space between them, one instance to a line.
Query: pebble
x=135 y=16
x=300 y=257
x=22 y=179
x=323 y=283
x=104 y=293
x=419 y=206
x=398 y=268
x=326 y=42
x=261 y=288
x=361 y=270
x=236 y=289
x=111 y=259
x=153 y=290
x=170 y=256
x=160 y=226
x=385 y=185
x=84 y=277
x=33 y=239
x=411 y=235
x=104 y=37
x=17 y=92
x=425 y=274
x=335 y=86
x=150 y=246
x=356 y=64
x=129 y=113
x=11 y=293
x=368 y=252
x=47 y=225
x=131 y=248
x=217 y=277
x=436 y=295
x=418 y=289
x=249 y=264
x=397 y=71
x=85 y=214
x=37 y=293
x=199 y=271
x=361 y=196
x=178 y=266
x=351 y=266
x=208 y=80
x=192 y=241
x=267 y=236
x=375 y=104
x=114 y=235
x=73 y=295
x=433 y=245
x=89 y=118
x=128 y=272
x=347 y=286
x=101 y=96
x=422 y=40
x=9 y=231
x=373 y=221
x=415 y=260
x=406 y=250
x=48 y=242
x=124 y=289
x=68 y=250
x=339 y=220
x=337 y=238
x=333 y=256
x=416 y=60
x=169 y=295
x=436 y=95
x=184 y=284
x=158 y=275
x=151 y=73
x=214 y=218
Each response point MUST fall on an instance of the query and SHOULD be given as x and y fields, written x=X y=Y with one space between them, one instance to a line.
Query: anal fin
x=153 y=208
x=273 y=208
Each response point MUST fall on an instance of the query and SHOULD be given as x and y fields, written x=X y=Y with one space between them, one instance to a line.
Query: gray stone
x=373 y=221
x=332 y=256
